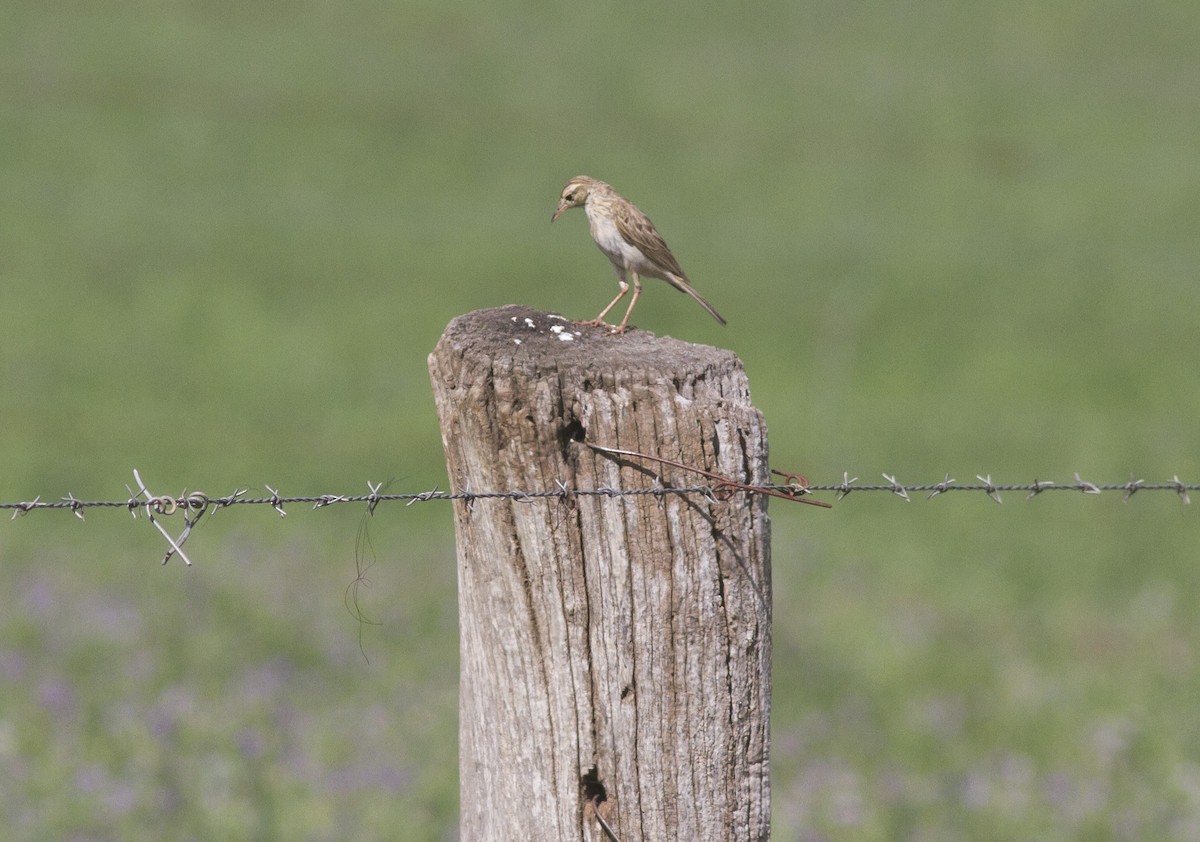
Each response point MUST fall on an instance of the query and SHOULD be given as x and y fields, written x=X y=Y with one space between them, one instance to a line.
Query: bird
x=630 y=241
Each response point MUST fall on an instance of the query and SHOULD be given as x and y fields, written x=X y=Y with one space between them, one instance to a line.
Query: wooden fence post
x=614 y=650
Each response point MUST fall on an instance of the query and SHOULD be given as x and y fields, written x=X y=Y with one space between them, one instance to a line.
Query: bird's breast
x=608 y=238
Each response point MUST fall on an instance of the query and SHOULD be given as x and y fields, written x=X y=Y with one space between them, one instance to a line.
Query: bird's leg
x=599 y=320
x=637 y=290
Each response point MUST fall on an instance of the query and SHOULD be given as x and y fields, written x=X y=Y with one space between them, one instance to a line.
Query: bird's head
x=575 y=194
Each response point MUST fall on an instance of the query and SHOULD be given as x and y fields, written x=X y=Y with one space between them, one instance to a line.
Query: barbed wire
x=194 y=505
x=993 y=489
x=198 y=500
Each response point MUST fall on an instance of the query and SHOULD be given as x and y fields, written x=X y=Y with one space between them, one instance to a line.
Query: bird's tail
x=680 y=283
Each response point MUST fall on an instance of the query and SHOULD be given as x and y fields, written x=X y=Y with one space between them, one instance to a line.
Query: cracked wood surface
x=614 y=646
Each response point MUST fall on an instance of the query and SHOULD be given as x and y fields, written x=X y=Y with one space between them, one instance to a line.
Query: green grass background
x=948 y=237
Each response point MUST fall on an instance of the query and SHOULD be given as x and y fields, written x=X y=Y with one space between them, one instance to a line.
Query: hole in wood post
x=572 y=432
x=595 y=794
x=593 y=789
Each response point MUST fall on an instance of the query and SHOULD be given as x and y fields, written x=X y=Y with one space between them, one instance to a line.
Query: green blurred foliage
x=948 y=238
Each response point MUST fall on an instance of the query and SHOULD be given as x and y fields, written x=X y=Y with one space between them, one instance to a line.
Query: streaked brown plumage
x=630 y=241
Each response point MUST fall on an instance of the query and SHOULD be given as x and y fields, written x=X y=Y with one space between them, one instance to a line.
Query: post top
x=548 y=340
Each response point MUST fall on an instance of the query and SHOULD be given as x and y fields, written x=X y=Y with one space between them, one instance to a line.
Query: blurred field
x=947 y=238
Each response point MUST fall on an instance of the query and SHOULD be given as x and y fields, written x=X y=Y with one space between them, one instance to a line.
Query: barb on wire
x=897 y=489
x=236 y=496
x=991 y=490
x=276 y=501
x=1132 y=487
x=1181 y=490
x=1037 y=488
x=568 y=493
x=76 y=505
x=25 y=508
x=428 y=495
x=844 y=488
x=373 y=499
x=941 y=487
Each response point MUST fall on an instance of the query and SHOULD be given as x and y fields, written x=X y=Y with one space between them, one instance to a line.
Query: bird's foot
x=602 y=323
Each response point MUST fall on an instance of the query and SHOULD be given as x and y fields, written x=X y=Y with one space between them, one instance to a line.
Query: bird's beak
x=562 y=206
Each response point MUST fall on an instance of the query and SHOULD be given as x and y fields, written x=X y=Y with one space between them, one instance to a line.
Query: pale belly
x=624 y=256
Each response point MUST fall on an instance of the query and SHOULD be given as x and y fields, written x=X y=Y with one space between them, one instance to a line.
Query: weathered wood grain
x=625 y=635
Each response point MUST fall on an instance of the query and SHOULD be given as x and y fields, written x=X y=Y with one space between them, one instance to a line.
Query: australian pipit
x=629 y=239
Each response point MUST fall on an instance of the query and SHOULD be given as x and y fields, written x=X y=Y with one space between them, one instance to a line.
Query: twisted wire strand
x=196 y=500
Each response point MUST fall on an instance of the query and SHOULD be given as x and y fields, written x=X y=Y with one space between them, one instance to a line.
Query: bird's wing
x=637 y=229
